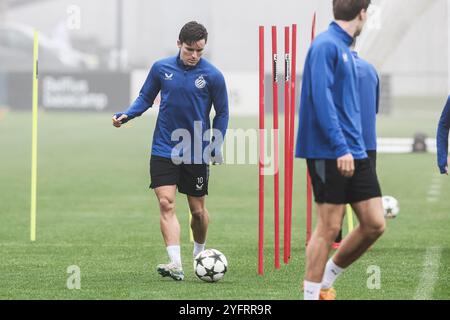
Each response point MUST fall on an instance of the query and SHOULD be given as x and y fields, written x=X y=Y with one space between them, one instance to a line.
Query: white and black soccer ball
x=210 y=265
x=391 y=207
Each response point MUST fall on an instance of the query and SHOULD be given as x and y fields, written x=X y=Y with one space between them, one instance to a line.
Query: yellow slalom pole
x=34 y=137
x=349 y=219
x=191 y=236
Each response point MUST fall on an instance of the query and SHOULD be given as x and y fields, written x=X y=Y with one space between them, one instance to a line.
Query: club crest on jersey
x=200 y=82
x=345 y=56
x=168 y=76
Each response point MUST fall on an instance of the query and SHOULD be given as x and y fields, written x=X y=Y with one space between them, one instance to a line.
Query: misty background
x=113 y=43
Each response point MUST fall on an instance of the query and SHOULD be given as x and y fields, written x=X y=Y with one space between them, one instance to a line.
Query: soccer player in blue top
x=369 y=96
x=442 y=139
x=183 y=142
x=330 y=138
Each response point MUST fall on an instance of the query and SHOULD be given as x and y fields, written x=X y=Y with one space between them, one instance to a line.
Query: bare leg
x=170 y=227
x=371 y=227
x=200 y=218
x=329 y=221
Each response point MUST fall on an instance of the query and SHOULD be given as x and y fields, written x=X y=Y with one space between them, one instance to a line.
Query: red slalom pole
x=261 y=153
x=287 y=60
x=276 y=147
x=291 y=129
x=308 y=178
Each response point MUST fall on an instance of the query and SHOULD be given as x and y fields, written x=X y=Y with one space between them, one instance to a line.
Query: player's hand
x=118 y=119
x=346 y=165
x=443 y=169
x=217 y=159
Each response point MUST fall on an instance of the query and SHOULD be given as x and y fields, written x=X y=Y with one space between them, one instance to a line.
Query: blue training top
x=330 y=119
x=369 y=94
x=442 y=137
x=187 y=95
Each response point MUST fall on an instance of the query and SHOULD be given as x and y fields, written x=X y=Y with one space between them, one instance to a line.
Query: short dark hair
x=193 y=32
x=348 y=10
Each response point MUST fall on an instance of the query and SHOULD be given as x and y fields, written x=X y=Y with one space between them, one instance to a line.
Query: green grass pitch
x=95 y=211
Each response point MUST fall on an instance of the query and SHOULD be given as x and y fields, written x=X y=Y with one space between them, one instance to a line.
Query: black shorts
x=190 y=179
x=331 y=187
x=373 y=157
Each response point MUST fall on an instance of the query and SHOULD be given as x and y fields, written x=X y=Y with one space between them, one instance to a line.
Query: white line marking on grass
x=429 y=275
x=434 y=192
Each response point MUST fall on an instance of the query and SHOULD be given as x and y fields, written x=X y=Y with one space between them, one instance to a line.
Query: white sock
x=311 y=290
x=332 y=271
x=198 y=248
x=174 y=254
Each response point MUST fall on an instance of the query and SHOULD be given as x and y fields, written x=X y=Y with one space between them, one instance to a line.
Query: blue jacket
x=330 y=119
x=187 y=95
x=442 y=137
x=369 y=95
